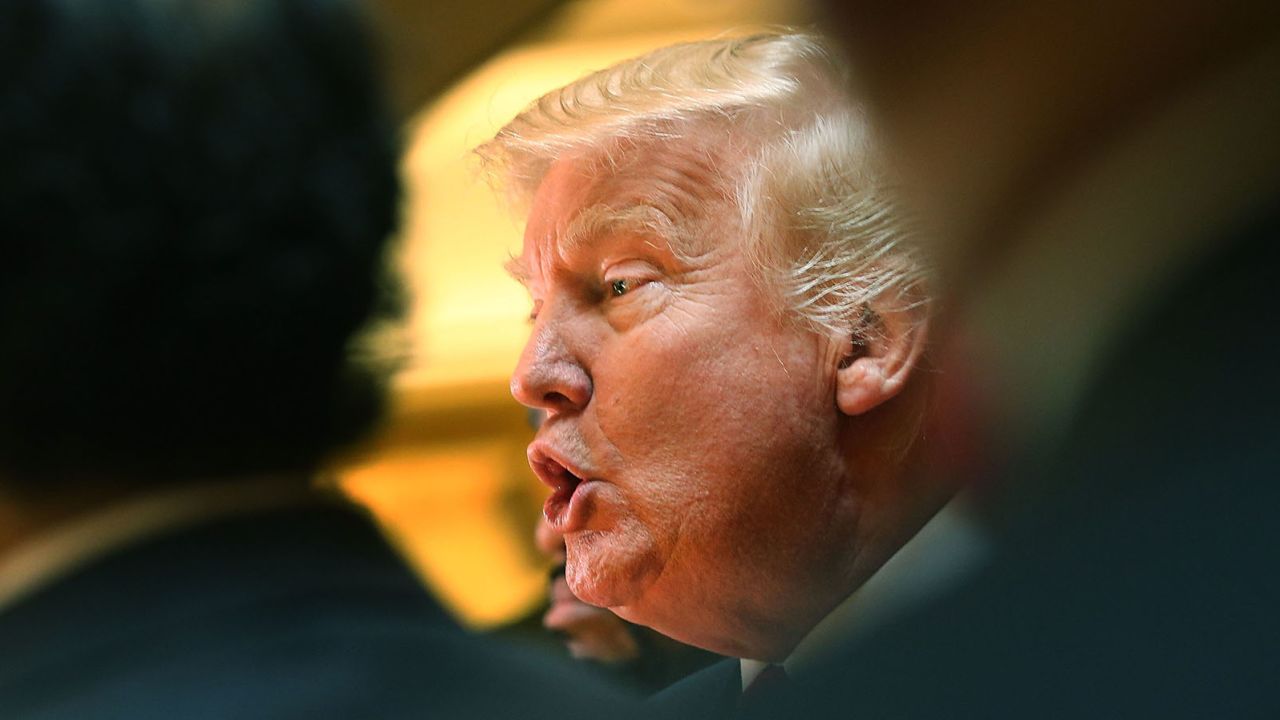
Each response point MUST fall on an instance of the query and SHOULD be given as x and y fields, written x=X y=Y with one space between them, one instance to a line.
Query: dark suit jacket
x=297 y=613
x=1142 y=579
x=710 y=693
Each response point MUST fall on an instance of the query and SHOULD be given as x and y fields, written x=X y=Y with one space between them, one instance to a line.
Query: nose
x=548 y=377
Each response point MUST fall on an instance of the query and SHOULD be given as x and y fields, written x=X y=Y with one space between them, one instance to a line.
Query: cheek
x=660 y=396
x=654 y=407
x=707 y=375
x=687 y=412
x=705 y=430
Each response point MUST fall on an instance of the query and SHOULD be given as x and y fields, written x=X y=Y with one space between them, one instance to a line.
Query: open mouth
x=563 y=483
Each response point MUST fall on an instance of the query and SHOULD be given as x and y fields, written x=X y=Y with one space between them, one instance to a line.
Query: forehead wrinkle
x=681 y=183
x=598 y=221
x=666 y=192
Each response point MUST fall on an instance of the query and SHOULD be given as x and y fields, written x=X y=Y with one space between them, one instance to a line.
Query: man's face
x=691 y=437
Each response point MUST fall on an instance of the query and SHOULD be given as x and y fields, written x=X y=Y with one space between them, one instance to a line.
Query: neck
x=890 y=494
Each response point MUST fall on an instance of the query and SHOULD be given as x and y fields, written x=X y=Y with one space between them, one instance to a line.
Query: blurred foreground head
x=992 y=109
x=1106 y=181
x=728 y=318
x=194 y=204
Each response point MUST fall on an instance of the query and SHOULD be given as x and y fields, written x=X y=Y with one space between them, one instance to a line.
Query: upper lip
x=553 y=468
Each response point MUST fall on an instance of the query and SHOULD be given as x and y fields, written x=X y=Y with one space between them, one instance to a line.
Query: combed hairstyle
x=816 y=218
x=195 y=202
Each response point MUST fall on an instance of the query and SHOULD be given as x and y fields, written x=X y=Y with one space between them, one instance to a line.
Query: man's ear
x=880 y=354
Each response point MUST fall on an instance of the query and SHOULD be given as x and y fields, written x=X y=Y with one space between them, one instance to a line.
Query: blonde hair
x=817 y=223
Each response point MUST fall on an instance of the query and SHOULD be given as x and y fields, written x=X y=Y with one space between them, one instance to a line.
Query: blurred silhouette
x=195 y=202
x=1103 y=179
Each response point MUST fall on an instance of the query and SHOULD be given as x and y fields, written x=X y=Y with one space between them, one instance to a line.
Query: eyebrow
x=518 y=268
x=600 y=220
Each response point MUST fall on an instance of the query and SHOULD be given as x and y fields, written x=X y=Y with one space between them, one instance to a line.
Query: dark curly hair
x=195 y=201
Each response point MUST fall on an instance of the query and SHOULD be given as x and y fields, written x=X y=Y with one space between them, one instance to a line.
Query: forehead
x=680 y=185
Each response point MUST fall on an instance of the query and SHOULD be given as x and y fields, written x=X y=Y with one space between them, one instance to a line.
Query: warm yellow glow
x=439 y=507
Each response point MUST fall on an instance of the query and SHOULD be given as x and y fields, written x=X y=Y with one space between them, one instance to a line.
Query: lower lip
x=570 y=514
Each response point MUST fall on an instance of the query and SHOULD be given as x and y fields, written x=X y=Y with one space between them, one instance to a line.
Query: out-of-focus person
x=1104 y=179
x=195 y=201
x=728 y=339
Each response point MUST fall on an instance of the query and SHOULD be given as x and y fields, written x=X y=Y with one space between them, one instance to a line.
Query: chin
x=600 y=573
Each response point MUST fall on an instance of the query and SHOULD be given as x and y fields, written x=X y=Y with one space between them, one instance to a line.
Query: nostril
x=554 y=386
x=556 y=401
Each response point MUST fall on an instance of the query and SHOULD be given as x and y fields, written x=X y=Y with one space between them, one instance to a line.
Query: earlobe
x=879 y=357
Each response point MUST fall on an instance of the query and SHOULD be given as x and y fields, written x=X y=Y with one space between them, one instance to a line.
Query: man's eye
x=620 y=287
